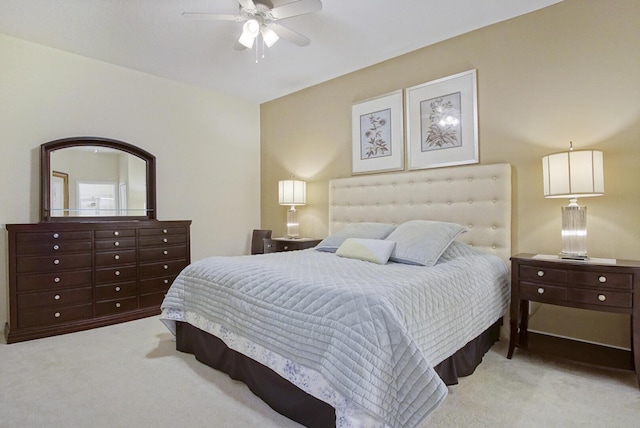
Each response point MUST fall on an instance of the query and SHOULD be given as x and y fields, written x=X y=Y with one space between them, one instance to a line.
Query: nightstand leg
x=524 y=324
x=513 y=323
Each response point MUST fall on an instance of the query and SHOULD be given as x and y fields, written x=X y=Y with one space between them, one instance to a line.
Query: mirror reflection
x=92 y=181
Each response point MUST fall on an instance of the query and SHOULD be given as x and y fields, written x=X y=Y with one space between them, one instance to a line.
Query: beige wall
x=565 y=73
x=206 y=144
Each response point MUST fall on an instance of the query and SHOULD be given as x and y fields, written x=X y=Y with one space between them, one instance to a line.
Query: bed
x=328 y=339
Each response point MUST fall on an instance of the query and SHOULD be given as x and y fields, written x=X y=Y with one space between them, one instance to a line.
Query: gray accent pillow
x=366 y=230
x=422 y=242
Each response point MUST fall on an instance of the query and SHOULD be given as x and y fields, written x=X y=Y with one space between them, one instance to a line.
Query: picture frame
x=442 y=122
x=378 y=134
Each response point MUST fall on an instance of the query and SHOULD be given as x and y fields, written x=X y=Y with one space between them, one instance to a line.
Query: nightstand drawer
x=544 y=274
x=622 y=281
x=618 y=299
x=542 y=292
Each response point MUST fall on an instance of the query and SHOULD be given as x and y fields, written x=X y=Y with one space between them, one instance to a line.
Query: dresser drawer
x=155 y=231
x=52 y=263
x=115 y=233
x=55 y=298
x=111 y=307
x=154 y=285
x=623 y=281
x=56 y=281
x=119 y=257
x=542 y=292
x=48 y=316
x=115 y=291
x=172 y=267
x=31 y=238
x=149 y=300
x=547 y=275
x=162 y=240
x=54 y=248
x=115 y=274
x=106 y=245
x=605 y=298
x=163 y=253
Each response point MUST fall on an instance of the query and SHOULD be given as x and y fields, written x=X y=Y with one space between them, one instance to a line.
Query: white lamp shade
x=292 y=192
x=575 y=174
x=250 y=31
x=269 y=36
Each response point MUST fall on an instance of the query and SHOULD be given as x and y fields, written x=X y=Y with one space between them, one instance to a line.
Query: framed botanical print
x=377 y=134
x=442 y=122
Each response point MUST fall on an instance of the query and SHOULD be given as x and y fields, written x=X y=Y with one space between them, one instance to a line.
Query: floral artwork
x=442 y=122
x=375 y=134
x=441 y=126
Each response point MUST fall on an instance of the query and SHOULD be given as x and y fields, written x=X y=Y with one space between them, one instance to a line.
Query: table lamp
x=293 y=193
x=573 y=175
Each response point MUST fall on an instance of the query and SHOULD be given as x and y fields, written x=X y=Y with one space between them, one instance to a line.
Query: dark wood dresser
x=72 y=276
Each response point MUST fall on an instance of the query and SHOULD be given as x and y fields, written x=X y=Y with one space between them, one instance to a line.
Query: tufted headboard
x=477 y=196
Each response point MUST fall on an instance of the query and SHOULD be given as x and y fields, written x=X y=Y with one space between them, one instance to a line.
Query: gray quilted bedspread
x=373 y=331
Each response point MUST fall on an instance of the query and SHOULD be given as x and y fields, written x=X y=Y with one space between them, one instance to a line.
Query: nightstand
x=597 y=284
x=276 y=245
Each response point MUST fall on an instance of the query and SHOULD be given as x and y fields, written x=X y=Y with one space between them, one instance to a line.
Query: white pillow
x=356 y=230
x=370 y=250
x=422 y=242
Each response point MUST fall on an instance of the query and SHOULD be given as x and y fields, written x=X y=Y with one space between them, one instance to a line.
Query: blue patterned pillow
x=422 y=242
x=356 y=230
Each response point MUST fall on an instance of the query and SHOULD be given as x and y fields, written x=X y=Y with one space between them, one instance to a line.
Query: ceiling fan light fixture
x=250 y=31
x=269 y=36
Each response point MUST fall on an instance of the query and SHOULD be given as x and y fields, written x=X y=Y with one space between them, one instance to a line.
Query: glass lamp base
x=574 y=232
x=292 y=223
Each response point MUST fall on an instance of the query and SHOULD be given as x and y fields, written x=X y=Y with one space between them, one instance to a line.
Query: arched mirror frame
x=45 y=176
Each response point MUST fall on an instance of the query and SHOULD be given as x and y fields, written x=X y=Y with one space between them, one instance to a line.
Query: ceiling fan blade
x=296 y=8
x=248 y=4
x=239 y=46
x=213 y=16
x=288 y=34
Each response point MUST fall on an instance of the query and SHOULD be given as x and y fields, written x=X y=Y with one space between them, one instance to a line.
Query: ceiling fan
x=260 y=17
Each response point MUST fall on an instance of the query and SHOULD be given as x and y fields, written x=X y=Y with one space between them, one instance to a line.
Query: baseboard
x=585 y=352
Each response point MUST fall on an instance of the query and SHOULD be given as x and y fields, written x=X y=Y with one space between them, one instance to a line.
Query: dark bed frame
x=289 y=400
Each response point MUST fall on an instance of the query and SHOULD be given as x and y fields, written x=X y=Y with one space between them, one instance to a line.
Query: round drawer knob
x=117 y=273
x=56 y=262
x=56 y=247
x=286 y=247
x=56 y=297
x=540 y=290
x=165 y=267
x=165 y=240
x=602 y=278
x=117 y=289
x=602 y=297
x=165 y=252
x=166 y=281
x=540 y=273
x=118 y=305
x=164 y=230
x=116 y=233
x=117 y=244
x=117 y=257
x=56 y=279
x=57 y=315
x=56 y=236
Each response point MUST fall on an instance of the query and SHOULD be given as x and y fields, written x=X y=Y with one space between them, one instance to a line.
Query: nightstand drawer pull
x=57 y=315
x=540 y=290
x=286 y=247
x=118 y=305
x=56 y=247
x=56 y=297
x=602 y=297
x=540 y=273
x=56 y=279
x=117 y=289
x=602 y=278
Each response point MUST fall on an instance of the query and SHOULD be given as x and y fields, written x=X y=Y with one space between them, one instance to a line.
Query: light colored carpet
x=130 y=375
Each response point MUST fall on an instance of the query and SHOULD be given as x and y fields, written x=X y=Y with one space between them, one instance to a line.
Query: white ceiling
x=151 y=36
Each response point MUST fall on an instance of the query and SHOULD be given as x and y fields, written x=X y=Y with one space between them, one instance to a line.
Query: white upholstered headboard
x=477 y=196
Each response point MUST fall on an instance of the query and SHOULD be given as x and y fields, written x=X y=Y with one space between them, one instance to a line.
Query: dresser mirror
x=91 y=178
